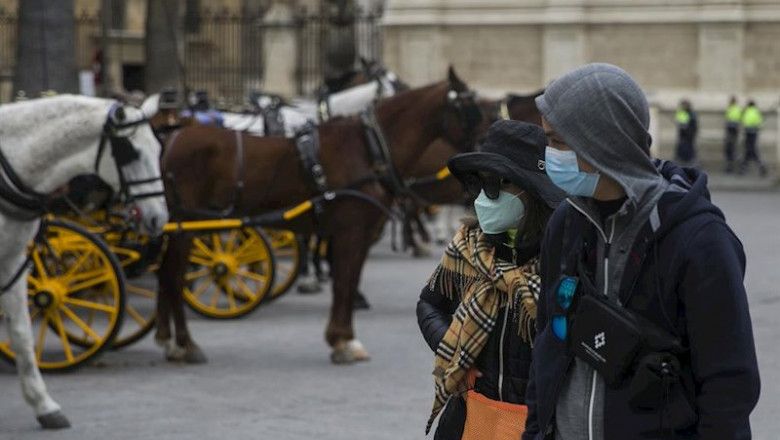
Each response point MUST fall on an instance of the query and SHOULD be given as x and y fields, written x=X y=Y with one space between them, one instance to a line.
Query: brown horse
x=200 y=167
x=448 y=191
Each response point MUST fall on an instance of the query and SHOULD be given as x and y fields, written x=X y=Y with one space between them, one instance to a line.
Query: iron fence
x=225 y=55
x=222 y=51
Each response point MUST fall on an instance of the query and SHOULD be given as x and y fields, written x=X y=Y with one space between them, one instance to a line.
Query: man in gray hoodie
x=646 y=238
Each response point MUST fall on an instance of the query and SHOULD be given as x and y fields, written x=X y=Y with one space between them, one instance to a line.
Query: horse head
x=134 y=172
x=462 y=121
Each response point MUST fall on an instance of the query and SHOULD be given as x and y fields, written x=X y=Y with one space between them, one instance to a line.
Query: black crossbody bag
x=611 y=338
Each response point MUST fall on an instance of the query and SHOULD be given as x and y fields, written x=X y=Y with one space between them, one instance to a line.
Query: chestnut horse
x=199 y=165
x=448 y=191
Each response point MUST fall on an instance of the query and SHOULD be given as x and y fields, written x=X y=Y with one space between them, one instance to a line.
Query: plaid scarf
x=484 y=284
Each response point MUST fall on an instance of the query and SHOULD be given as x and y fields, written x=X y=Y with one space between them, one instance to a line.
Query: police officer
x=733 y=121
x=752 y=121
x=687 y=127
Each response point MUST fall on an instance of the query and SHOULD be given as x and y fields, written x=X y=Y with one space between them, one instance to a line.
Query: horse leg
x=17 y=318
x=425 y=236
x=186 y=349
x=349 y=251
x=307 y=280
x=317 y=259
x=163 y=335
x=171 y=305
x=419 y=249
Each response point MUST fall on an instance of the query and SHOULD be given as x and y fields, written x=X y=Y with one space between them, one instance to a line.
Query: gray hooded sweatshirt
x=603 y=116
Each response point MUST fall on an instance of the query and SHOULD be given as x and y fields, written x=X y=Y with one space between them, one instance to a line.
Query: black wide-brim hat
x=512 y=150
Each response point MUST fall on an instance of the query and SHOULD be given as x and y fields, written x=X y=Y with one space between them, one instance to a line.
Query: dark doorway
x=133 y=77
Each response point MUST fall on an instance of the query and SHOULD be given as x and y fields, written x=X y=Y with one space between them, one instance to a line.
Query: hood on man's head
x=602 y=114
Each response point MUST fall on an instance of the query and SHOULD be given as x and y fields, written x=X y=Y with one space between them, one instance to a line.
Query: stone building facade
x=703 y=50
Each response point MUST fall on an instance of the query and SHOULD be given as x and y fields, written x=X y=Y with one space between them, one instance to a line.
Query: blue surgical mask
x=563 y=170
x=499 y=215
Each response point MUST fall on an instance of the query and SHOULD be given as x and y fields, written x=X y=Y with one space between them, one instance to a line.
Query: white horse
x=46 y=142
x=295 y=115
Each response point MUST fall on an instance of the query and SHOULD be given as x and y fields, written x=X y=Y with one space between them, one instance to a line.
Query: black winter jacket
x=434 y=315
x=687 y=277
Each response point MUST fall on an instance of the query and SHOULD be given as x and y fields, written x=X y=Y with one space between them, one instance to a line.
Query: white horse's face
x=138 y=157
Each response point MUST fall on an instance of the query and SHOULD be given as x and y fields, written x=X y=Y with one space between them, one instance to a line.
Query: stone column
x=280 y=47
x=720 y=57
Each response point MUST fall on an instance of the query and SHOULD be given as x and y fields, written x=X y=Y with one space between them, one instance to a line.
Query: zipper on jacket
x=501 y=356
x=607 y=245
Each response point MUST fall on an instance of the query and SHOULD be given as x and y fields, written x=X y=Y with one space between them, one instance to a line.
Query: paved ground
x=269 y=375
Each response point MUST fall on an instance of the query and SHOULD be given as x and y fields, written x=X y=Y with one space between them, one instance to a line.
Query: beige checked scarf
x=484 y=284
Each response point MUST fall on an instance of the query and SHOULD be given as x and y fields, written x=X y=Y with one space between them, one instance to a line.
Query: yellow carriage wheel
x=76 y=293
x=129 y=248
x=287 y=254
x=140 y=291
x=230 y=272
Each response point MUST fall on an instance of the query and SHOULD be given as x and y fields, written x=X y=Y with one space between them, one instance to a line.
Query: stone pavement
x=269 y=375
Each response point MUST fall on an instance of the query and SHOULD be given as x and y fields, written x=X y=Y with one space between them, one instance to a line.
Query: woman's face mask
x=563 y=170
x=498 y=215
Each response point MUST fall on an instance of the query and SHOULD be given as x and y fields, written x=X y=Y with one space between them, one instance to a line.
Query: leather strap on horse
x=380 y=154
x=17 y=200
x=273 y=121
x=307 y=141
x=25 y=264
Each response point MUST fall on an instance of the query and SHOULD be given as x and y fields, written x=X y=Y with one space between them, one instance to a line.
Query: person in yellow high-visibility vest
x=733 y=118
x=687 y=127
x=752 y=119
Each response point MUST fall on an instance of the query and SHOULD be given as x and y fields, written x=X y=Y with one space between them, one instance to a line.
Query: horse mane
x=71 y=116
x=400 y=102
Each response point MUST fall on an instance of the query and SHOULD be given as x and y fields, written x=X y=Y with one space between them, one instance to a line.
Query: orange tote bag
x=488 y=419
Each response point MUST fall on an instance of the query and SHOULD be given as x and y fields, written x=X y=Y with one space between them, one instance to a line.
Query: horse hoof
x=360 y=302
x=161 y=342
x=349 y=352
x=194 y=355
x=173 y=352
x=340 y=356
x=359 y=352
x=54 y=420
x=309 y=284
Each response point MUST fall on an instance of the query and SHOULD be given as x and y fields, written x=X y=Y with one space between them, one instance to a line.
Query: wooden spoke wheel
x=287 y=253
x=138 y=255
x=140 y=267
x=230 y=272
x=76 y=297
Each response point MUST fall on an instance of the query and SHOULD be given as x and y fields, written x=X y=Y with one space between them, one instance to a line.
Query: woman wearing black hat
x=478 y=310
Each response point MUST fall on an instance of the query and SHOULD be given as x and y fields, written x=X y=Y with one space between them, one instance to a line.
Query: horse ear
x=119 y=114
x=454 y=80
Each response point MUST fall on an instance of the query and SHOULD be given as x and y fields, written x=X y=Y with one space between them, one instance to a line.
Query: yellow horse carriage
x=92 y=285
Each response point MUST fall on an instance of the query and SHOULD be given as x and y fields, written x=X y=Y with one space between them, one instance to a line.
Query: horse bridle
x=124 y=153
x=469 y=114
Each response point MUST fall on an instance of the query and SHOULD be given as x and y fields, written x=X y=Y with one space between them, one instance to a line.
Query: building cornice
x=504 y=12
